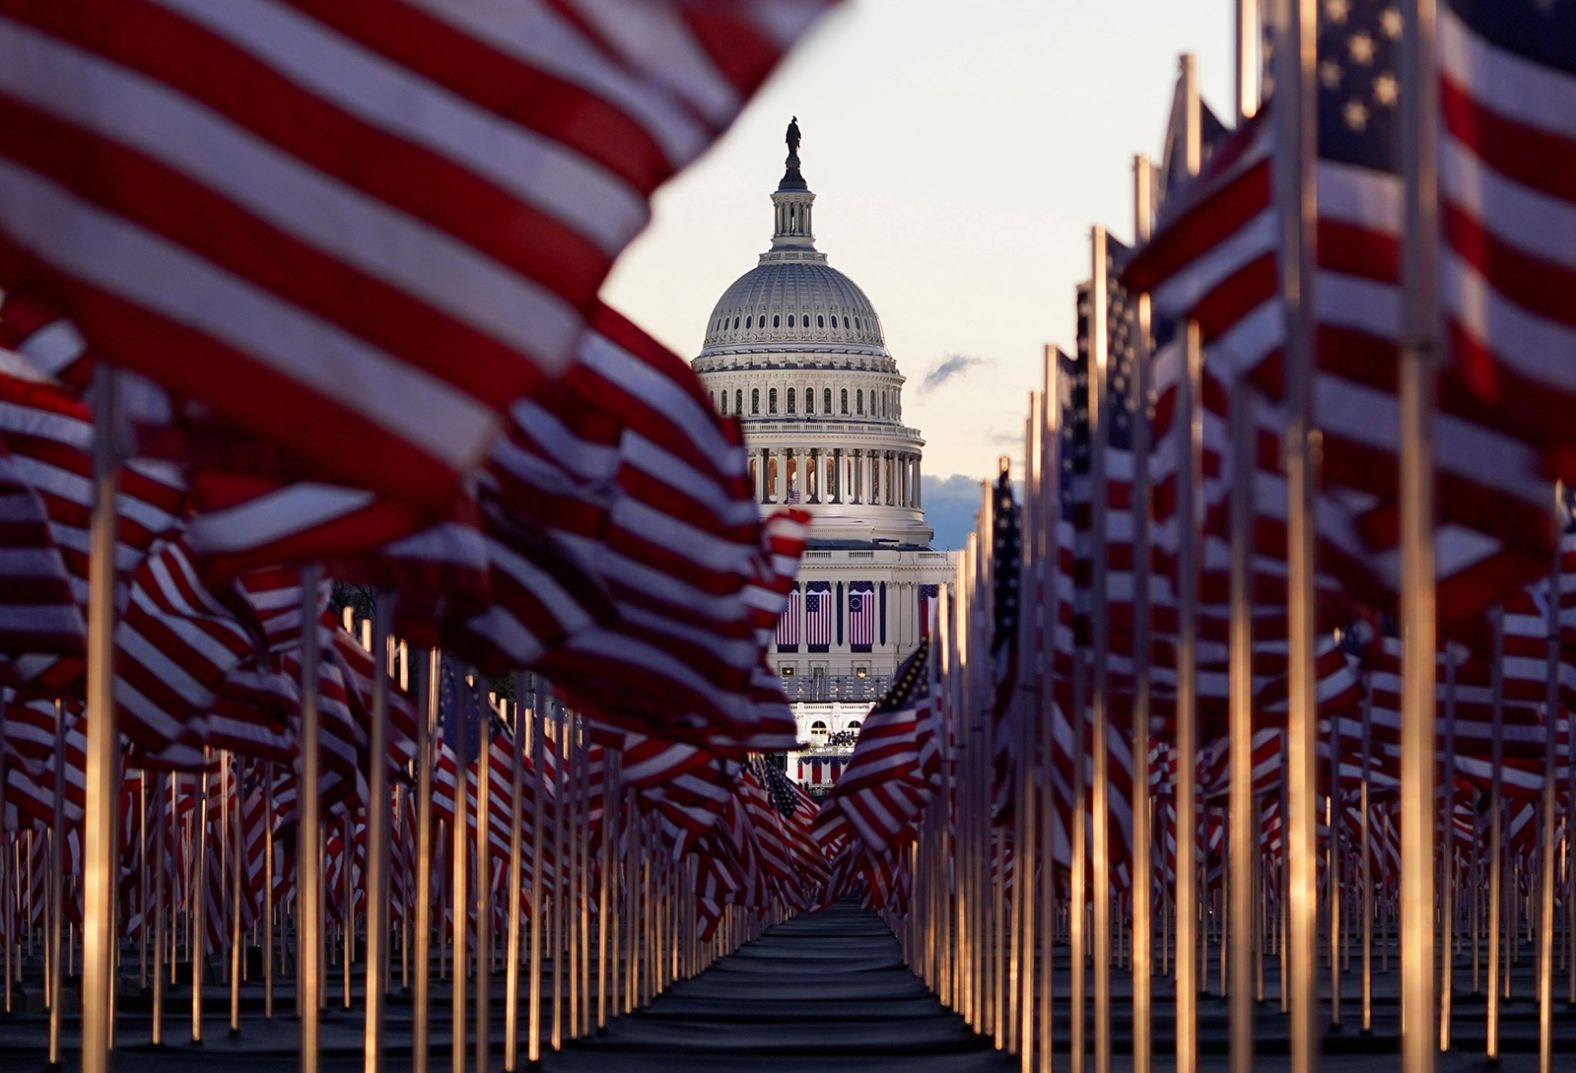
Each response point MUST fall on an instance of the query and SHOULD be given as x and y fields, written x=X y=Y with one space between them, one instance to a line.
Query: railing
x=837 y=687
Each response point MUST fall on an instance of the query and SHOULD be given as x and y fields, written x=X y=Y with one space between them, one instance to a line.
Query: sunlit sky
x=959 y=152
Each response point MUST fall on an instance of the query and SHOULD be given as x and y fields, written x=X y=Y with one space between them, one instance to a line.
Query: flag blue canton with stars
x=460 y=710
x=910 y=682
x=1007 y=553
x=1359 y=55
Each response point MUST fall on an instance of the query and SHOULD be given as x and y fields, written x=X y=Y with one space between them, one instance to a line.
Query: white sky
x=959 y=150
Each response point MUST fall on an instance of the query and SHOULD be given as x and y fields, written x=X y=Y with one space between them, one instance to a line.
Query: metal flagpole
x=1367 y=858
x=511 y=885
x=1076 y=939
x=1189 y=477
x=421 y=1008
x=1050 y=484
x=1333 y=872
x=1186 y=884
x=268 y=891
x=1100 y=804
x=347 y=918
x=238 y=803
x=199 y=942
x=1419 y=103
x=555 y=938
x=1495 y=829
x=483 y=907
x=1021 y=1039
x=1142 y=959
x=459 y=901
x=1447 y=909
x=103 y=740
x=377 y=862
x=160 y=839
x=142 y=868
x=1242 y=838
x=583 y=848
x=309 y=875
x=57 y=876
x=533 y=1044
x=607 y=937
x=1296 y=105
x=1551 y=710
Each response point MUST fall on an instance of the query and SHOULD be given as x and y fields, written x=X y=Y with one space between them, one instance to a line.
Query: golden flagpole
x=103 y=741
x=57 y=876
x=199 y=943
x=161 y=840
x=1189 y=478
x=512 y=882
x=268 y=891
x=1141 y=961
x=1100 y=804
x=1050 y=491
x=1367 y=858
x=1447 y=908
x=376 y=873
x=233 y=786
x=533 y=1039
x=459 y=900
x=1419 y=105
x=421 y=1001
x=309 y=875
x=1551 y=710
x=482 y=909
x=1495 y=829
x=1296 y=101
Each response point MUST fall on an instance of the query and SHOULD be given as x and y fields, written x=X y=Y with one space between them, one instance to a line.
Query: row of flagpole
x=961 y=939
x=644 y=928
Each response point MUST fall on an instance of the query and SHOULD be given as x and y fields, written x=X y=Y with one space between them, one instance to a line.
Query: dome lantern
x=792 y=201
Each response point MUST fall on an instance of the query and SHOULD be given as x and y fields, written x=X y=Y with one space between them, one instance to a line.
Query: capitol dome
x=794 y=349
x=785 y=300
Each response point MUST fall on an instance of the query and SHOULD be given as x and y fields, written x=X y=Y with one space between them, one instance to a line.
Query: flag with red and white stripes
x=818 y=615
x=1214 y=259
x=790 y=621
x=883 y=790
x=1508 y=210
x=861 y=615
x=299 y=213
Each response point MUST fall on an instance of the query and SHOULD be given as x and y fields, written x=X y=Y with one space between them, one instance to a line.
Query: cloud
x=950 y=506
x=947 y=368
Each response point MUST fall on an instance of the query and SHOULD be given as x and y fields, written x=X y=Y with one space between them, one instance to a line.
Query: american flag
x=459 y=711
x=861 y=616
x=300 y=229
x=883 y=790
x=818 y=615
x=927 y=600
x=1006 y=564
x=788 y=626
x=793 y=497
x=1214 y=259
x=1508 y=209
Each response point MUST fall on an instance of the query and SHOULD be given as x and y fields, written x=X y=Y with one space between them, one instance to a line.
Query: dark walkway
x=824 y=991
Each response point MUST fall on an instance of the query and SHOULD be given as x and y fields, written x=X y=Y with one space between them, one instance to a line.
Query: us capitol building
x=794 y=349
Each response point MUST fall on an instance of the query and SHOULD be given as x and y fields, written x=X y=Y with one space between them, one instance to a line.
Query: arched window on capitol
x=790 y=400
x=771 y=400
x=755 y=400
x=845 y=402
x=818 y=731
x=738 y=401
x=826 y=401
